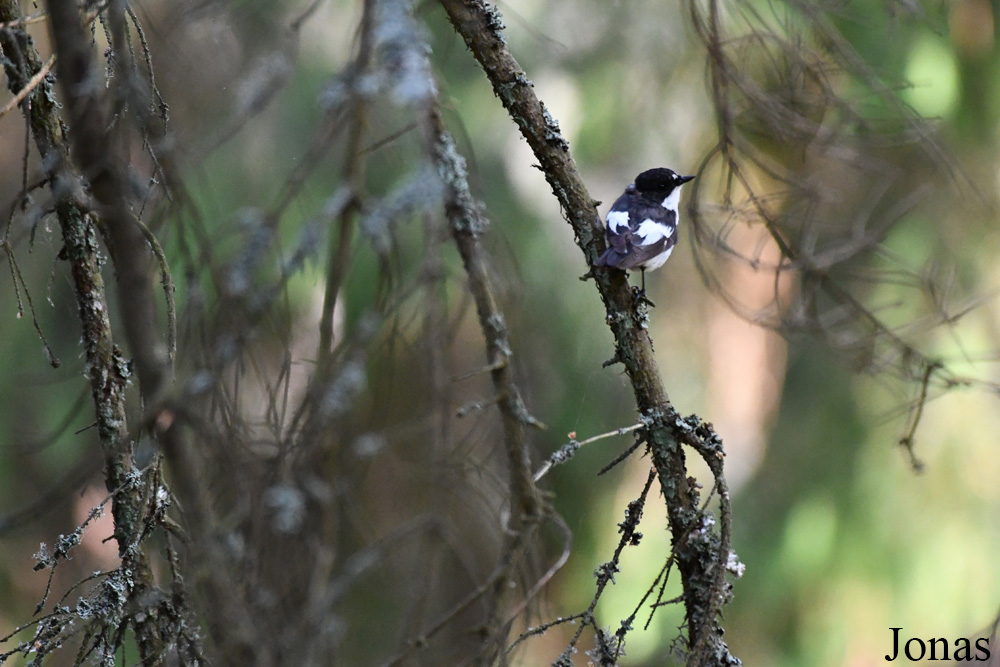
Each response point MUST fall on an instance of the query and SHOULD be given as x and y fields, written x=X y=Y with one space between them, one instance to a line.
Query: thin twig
x=18 y=280
x=30 y=86
x=567 y=451
x=906 y=441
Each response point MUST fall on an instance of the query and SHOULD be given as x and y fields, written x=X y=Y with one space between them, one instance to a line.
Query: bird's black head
x=659 y=181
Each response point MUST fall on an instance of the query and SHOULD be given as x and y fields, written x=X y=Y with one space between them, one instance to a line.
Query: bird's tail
x=610 y=257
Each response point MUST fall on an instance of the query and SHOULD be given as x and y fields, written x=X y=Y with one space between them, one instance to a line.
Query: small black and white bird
x=642 y=223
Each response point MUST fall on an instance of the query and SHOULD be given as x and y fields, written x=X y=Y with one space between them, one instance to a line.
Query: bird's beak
x=685 y=179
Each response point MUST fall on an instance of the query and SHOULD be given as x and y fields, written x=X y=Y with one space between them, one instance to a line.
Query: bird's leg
x=639 y=294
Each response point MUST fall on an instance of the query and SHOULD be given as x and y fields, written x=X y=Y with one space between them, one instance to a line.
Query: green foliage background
x=841 y=538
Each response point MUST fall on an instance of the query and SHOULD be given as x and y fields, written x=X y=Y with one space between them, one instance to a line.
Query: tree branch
x=699 y=561
x=106 y=366
x=467 y=224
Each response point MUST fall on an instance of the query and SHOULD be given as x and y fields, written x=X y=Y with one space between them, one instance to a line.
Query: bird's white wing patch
x=672 y=200
x=652 y=231
x=617 y=219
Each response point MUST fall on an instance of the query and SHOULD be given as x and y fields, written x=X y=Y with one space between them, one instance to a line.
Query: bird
x=641 y=227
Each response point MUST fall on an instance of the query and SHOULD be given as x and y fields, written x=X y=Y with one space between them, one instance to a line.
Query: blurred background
x=864 y=135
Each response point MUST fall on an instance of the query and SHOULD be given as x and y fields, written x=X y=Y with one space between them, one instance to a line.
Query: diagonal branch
x=30 y=86
x=699 y=561
x=98 y=159
x=107 y=368
x=467 y=223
